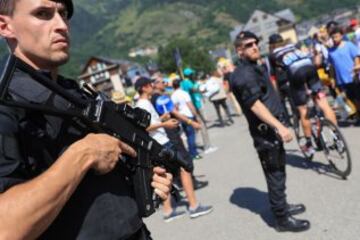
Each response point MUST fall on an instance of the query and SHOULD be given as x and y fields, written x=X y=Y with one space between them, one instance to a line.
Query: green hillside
x=112 y=27
x=116 y=26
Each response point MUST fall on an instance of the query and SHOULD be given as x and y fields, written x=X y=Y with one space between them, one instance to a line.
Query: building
x=110 y=75
x=220 y=53
x=143 y=52
x=306 y=28
x=264 y=24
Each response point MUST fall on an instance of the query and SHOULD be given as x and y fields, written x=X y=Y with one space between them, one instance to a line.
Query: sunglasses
x=250 y=44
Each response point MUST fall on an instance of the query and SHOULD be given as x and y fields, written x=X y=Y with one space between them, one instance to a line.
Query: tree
x=192 y=56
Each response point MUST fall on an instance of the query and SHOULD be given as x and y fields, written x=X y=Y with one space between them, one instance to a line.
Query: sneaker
x=197 y=157
x=200 y=184
x=173 y=215
x=210 y=150
x=200 y=211
x=308 y=151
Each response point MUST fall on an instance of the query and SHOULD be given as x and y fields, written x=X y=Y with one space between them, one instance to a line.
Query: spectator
x=218 y=98
x=192 y=87
x=226 y=67
x=157 y=130
x=345 y=59
x=184 y=106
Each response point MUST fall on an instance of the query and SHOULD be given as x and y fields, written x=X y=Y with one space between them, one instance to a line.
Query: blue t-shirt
x=342 y=58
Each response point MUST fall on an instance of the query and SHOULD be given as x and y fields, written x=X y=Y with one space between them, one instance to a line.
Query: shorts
x=303 y=79
x=352 y=91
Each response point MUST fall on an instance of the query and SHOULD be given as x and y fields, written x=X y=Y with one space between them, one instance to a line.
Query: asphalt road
x=237 y=190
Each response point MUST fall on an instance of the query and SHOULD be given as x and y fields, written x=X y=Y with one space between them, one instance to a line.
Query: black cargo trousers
x=273 y=159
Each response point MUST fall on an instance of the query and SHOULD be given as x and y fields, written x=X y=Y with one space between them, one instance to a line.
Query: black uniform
x=102 y=207
x=250 y=82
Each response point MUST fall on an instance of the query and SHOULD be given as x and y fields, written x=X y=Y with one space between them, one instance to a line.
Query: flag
x=177 y=57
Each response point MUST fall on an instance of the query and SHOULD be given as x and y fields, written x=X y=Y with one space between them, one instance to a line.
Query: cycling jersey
x=289 y=58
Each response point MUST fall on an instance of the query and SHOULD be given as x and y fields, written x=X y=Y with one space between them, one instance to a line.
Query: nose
x=62 y=24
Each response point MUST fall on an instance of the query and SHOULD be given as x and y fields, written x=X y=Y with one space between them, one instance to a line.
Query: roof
x=236 y=31
x=111 y=61
x=286 y=14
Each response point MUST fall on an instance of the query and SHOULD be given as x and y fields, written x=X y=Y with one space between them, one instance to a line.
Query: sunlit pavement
x=238 y=193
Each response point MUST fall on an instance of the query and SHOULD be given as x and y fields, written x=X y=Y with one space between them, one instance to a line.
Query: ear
x=239 y=51
x=5 y=27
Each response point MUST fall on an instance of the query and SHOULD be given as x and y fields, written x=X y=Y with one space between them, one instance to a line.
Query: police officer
x=57 y=180
x=262 y=108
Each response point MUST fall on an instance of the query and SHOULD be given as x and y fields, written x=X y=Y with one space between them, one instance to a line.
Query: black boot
x=291 y=224
x=294 y=209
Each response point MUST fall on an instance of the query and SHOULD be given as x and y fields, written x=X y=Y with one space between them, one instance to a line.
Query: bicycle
x=326 y=137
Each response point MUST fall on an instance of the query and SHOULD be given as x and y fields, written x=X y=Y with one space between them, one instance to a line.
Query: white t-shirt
x=180 y=98
x=357 y=34
x=320 y=48
x=220 y=93
x=211 y=87
x=158 y=134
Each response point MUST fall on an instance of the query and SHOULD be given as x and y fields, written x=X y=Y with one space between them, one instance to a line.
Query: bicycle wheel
x=335 y=148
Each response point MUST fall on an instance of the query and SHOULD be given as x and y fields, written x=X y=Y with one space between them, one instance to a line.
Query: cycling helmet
x=275 y=38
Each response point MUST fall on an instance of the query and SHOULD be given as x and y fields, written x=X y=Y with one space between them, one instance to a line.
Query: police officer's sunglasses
x=250 y=44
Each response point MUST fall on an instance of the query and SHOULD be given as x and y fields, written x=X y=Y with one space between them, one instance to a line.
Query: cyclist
x=302 y=76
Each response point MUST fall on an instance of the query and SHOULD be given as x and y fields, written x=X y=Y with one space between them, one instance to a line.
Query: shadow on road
x=318 y=167
x=255 y=201
x=348 y=123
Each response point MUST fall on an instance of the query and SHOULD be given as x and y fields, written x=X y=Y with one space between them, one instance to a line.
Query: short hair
x=237 y=42
x=176 y=83
x=331 y=25
x=7 y=7
x=336 y=30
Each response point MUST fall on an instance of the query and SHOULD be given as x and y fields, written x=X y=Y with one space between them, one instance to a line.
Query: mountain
x=124 y=25
x=111 y=28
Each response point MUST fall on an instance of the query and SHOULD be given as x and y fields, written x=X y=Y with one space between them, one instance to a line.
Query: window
x=254 y=20
x=102 y=75
x=265 y=16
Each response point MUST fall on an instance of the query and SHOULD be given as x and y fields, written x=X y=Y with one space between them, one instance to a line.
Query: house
x=220 y=53
x=342 y=16
x=143 y=52
x=109 y=75
x=235 y=32
x=264 y=24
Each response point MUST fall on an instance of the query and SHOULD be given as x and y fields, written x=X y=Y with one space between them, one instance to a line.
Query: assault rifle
x=103 y=116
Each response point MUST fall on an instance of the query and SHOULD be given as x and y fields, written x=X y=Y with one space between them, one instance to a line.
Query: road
x=237 y=190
